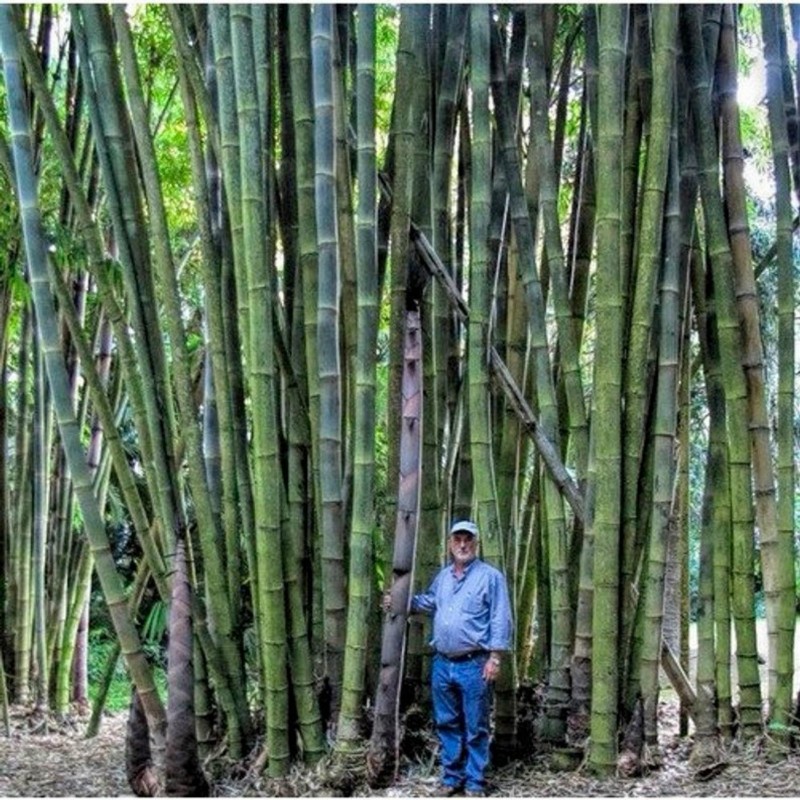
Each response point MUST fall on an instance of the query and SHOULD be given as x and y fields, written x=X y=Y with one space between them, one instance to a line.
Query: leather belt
x=468 y=656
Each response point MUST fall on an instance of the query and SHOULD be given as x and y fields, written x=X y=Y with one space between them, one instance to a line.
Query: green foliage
x=158 y=71
x=698 y=448
x=119 y=694
x=387 y=20
x=102 y=646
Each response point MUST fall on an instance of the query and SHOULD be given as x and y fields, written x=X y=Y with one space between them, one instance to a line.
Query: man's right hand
x=386 y=602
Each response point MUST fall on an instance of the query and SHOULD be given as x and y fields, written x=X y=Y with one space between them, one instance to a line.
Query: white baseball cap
x=464 y=526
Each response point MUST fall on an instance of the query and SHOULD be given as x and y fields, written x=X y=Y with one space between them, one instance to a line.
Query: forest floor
x=58 y=761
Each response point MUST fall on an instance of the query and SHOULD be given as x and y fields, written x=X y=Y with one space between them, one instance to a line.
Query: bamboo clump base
x=62 y=763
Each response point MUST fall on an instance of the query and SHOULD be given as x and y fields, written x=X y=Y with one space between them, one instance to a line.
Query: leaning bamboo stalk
x=137 y=590
x=99 y=461
x=89 y=229
x=530 y=421
x=548 y=205
x=114 y=145
x=224 y=614
x=215 y=343
x=56 y=373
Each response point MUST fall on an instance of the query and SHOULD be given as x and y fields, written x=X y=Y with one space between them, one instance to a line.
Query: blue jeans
x=461 y=705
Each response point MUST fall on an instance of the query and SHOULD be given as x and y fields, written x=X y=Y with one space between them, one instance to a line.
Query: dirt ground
x=61 y=763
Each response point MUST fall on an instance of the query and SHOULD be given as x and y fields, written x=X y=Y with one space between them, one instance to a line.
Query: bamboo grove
x=287 y=288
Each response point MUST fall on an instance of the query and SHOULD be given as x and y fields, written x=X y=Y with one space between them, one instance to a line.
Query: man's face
x=463 y=547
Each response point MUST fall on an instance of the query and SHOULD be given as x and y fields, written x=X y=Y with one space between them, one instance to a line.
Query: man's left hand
x=491 y=669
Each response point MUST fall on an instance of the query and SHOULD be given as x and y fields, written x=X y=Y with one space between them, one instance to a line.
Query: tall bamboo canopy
x=286 y=289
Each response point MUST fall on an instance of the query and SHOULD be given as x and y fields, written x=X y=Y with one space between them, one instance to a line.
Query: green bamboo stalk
x=612 y=36
x=45 y=319
x=776 y=552
x=301 y=665
x=303 y=119
x=481 y=439
x=548 y=204
x=90 y=231
x=514 y=447
x=41 y=502
x=328 y=351
x=720 y=493
x=580 y=252
x=115 y=146
x=561 y=643
x=783 y=559
x=665 y=19
x=637 y=95
x=226 y=224
x=20 y=563
x=346 y=239
x=4 y=698
x=299 y=491
x=363 y=522
x=732 y=376
x=216 y=335
x=224 y=614
x=638 y=386
x=254 y=272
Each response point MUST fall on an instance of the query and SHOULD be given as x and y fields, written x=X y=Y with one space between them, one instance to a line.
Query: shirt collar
x=467 y=566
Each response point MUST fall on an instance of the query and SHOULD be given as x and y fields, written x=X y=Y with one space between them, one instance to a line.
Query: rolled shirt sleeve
x=500 y=625
x=425 y=602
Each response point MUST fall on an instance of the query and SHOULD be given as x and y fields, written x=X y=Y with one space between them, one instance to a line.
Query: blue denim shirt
x=469 y=613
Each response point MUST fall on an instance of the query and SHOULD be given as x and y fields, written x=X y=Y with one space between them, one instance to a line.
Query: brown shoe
x=448 y=789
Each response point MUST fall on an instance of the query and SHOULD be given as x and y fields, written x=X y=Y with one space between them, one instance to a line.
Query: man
x=471 y=629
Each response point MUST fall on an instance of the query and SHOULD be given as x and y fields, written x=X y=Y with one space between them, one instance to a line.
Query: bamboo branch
x=558 y=472
x=677 y=677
